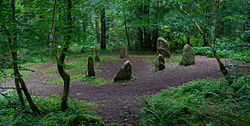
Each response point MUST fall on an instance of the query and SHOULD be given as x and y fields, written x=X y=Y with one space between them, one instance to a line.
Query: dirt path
x=119 y=103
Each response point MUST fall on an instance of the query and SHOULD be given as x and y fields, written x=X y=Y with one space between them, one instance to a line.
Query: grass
x=168 y=61
x=25 y=70
x=109 y=58
x=203 y=102
x=100 y=81
x=77 y=65
x=77 y=113
x=172 y=60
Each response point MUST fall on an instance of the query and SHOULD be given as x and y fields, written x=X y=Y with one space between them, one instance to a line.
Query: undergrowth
x=12 y=114
x=230 y=54
x=203 y=102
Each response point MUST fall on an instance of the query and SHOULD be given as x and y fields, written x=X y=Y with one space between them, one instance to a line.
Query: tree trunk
x=60 y=62
x=126 y=30
x=52 y=32
x=26 y=91
x=205 y=43
x=103 y=25
x=97 y=30
x=188 y=40
x=17 y=75
x=84 y=27
x=107 y=32
x=139 y=34
x=204 y=35
x=156 y=29
x=19 y=91
x=139 y=37
x=147 y=34
x=17 y=85
x=212 y=44
x=155 y=38
x=114 y=27
x=147 y=39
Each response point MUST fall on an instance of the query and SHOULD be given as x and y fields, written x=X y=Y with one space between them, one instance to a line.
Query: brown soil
x=119 y=103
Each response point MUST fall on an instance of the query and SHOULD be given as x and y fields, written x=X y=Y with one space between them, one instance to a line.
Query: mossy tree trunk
x=222 y=67
x=60 y=62
x=17 y=75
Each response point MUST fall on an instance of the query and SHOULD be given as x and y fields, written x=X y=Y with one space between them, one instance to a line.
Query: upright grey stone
x=124 y=52
x=163 y=47
x=125 y=73
x=90 y=67
x=188 y=56
x=160 y=63
x=96 y=55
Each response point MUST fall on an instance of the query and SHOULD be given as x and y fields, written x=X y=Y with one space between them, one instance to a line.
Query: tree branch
x=5 y=96
x=195 y=22
x=9 y=88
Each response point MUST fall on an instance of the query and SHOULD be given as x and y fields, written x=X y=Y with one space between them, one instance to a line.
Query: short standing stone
x=163 y=47
x=160 y=63
x=125 y=73
x=96 y=55
x=90 y=68
x=124 y=52
x=188 y=56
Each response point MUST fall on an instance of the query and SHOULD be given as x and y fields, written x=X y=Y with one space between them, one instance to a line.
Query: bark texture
x=60 y=63
x=103 y=26
x=17 y=75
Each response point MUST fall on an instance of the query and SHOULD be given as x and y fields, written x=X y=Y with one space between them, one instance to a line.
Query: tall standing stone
x=160 y=63
x=124 y=52
x=96 y=55
x=90 y=67
x=163 y=48
x=125 y=73
x=188 y=56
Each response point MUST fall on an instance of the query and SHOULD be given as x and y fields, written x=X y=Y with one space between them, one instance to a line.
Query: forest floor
x=119 y=102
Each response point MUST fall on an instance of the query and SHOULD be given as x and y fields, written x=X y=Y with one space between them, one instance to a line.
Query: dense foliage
x=77 y=114
x=203 y=102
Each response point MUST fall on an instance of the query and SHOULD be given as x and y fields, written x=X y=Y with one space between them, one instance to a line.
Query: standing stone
x=124 y=52
x=90 y=69
x=160 y=63
x=188 y=56
x=125 y=73
x=96 y=55
x=163 y=48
